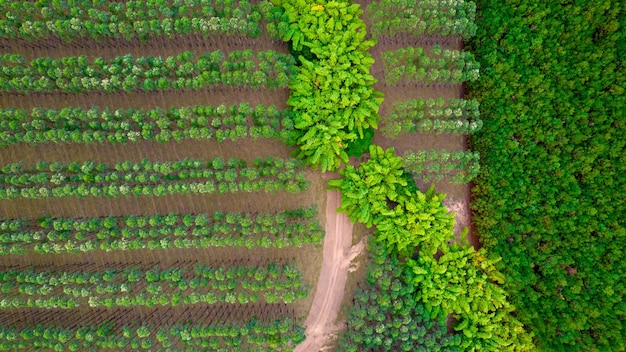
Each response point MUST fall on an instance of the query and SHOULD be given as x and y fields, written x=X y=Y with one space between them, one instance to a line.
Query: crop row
x=439 y=108
x=60 y=235
x=437 y=65
x=436 y=126
x=95 y=125
x=45 y=180
x=460 y=166
x=255 y=335
x=433 y=115
x=72 y=74
x=103 y=19
x=419 y=17
x=132 y=286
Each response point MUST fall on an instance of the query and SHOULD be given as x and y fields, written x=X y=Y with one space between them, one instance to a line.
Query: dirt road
x=320 y=324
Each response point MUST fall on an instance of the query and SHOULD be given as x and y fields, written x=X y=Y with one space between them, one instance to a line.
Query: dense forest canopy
x=550 y=195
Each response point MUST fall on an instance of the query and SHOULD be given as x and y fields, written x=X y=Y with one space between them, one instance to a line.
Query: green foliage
x=74 y=74
x=466 y=283
x=303 y=51
x=332 y=95
x=366 y=190
x=276 y=335
x=143 y=19
x=377 y=193
x=359 y=146
x=95 y=125
x=550 y=196
x=385 y=316
x=419 y=221
x=410 y=181
x=461 y=281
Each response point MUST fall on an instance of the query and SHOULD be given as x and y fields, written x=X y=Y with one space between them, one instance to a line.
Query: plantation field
x=257 y=193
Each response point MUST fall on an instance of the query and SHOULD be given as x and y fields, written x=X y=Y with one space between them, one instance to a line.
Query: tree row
x=73 y=74
x=62 y=235
x=96 y=125
x=416 y=17
x=255 y=335
x=134 y=287
x=45 y=180
x=105 y=19
x=455 y=116
x=435 y=65
x=460 y=166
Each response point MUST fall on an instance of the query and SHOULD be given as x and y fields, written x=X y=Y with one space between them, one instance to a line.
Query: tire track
x=320 y=323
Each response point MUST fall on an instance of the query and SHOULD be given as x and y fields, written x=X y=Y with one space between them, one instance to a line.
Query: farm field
x=149 y=200
x=295 y=175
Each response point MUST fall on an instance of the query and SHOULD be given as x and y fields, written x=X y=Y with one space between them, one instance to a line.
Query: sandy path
x=320 y=324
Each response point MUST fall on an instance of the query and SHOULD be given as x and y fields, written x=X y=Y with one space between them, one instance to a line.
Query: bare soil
x=159 y=46
x=321 y=324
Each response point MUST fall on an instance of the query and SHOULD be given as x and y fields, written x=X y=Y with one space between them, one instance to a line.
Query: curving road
x=320 y=324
